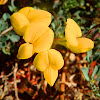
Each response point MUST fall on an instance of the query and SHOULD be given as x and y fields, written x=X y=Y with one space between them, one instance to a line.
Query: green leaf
x=3 y=26
x=85 y=73
x=12 y=3
x=89 y=53
x=4 y=38
x=1 y=21
x=94 y=71
x=6 y=16
x=92 y=26
x=97 y=94
x=10 y=8
x=14 y=38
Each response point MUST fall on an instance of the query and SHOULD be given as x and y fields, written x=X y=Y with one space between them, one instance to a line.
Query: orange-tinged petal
x=34 y=31
x=25 y=51
x=18 y=22
x=44 y=42
x=50 y=75
x=36 y=15
x=55 y=59
x=41 y=61
x=84 y=45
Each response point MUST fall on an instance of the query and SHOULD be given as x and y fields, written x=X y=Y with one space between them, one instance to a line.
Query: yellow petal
x=36 y=16
x=25 y=51
x=55 y=59
x=72 y=31
x=18 y=22
x=44 y=42
x=26 y=11
x=71 y=39
x=50 y=75
x=84 y=45
x=34 y=31
x=73 y=27
x=2 y=2
x=41 y=61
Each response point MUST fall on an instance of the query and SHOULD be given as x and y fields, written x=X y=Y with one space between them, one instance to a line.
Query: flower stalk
x=7 y=30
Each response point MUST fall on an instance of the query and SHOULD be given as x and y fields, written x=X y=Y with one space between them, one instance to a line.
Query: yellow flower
x=49 y=62
x=39 y=42
x=75 y=42
x=27 y=15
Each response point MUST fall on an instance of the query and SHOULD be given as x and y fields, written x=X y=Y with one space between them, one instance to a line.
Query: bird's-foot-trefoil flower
x=37 y=41
x=75 y=42
x=27 y=15
x=49 y=62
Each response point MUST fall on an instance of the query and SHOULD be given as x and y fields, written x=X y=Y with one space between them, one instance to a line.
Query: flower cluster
x=33 y=25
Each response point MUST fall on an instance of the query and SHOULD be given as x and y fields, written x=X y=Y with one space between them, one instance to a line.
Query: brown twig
x=55 y=16
x=63 y=77
x=63 y=86
x=3 y=94
x=42 y=80
x=9 y=29
x=15 y=83
x=7 y=76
